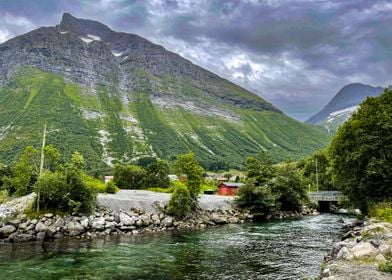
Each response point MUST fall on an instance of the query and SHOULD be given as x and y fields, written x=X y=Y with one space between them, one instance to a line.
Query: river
x=290 y=249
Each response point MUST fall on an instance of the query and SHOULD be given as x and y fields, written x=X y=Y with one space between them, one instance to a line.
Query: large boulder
x=126 y=220
x=98 y=223
x=168 y=221
x=40 y=227
x=75 y=228
x=21 y=238
x=146 y=220
x=364 y=250
x=5 y=231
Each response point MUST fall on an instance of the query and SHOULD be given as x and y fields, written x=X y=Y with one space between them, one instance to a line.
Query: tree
x=361 y=153
x=52 y=157
x=289 y=188
x=24 y=173
x=77 y=160
x=157 y=172
x=257 y=195
x=260 y=168
x=180 y=202
x=129 y=176
x=187 y=165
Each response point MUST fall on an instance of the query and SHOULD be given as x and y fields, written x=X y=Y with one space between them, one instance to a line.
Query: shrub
x=111 y=187
x=129 y=176
x=180 y=202
x=3 y=196
x=65 y=190
x=386 y=266
x=382 y=211
x=259 y=200
x=94 y=183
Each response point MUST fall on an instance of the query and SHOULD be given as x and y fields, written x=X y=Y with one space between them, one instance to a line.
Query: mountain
x=343 y=104
x=117 y=97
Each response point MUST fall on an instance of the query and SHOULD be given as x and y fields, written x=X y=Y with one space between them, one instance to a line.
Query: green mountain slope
x=118 y=97
x=102 y=127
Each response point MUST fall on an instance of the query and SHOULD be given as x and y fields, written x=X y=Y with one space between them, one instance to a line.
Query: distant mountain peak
x=83 y=27
x=343 y=104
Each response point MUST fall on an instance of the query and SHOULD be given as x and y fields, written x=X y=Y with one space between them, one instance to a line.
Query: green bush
x=129 y=176
x=259 y=200
x=382 y=211
x=94 y=183
x=65 y=190
x=386 y=266
x=180 y=202
x=3 y=196
x=111 y=187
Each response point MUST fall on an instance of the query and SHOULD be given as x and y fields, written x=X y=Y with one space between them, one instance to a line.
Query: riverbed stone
x=14 y=222
x=146 y=220
x=98 y=223
x=75 y=228
x=23 y=237
x=34 y=221
x=40 y=227
x=5 y=231
x=385 y=249
x=126 y=220
x=168 y=221
x=41 y=236
x=84 y=222
x=58 y=235
x=364 y=250
x=380 y=258
x=48 y=215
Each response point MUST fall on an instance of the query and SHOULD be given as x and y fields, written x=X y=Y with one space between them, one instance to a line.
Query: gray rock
x=344 y=254
x=110 y=225
x=60 y=223
x=75 y=228
x=48 y=215
x=41 y=236
x=218 y=219
x=22 y=226
x=34 y=221
x=364 y=250
x=127 y=228
x=168 y=221
x=5 y=231
x=20 y=238
x=98 y=223
x=58 y=235
x=14 y=222
x=126 y=220
x=84 y=222
x=146 y=220
x=40 y=227
x=51 y=231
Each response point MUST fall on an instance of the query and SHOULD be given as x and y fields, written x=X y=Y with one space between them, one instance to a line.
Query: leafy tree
x=257 y=195
x=260 y=168
x=187 y=165
x=289 y=187
x=111 y=187
x=52 y=157
x=129 y=176
x=77 y=160
x=180 y=202
x=24 y=173
x=259 y=200
x=308 y=167
x=158 y=174
x=361 y=153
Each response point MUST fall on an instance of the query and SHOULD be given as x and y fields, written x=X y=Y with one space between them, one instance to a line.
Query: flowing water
x=290 y=249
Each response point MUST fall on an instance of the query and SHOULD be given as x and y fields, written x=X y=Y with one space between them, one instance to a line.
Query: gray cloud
x=295 y=53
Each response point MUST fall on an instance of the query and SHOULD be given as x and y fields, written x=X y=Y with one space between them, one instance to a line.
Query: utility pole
x=317 y=181
x=41 y=165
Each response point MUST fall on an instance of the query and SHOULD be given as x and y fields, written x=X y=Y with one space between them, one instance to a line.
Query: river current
x=289 y=249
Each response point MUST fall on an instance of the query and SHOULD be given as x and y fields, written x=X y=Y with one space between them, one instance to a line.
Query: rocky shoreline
x=104 y=222
x=363 y=249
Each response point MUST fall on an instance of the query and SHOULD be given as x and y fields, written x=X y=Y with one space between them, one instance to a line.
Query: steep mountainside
x=343 y=104
x=116 y=96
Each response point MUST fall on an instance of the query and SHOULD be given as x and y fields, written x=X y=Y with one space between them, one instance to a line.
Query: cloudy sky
x=295 y=53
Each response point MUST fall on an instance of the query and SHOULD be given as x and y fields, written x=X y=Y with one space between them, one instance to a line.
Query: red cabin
x=229 y=188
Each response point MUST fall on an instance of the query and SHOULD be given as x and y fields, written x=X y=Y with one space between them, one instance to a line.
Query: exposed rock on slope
x=116 y=96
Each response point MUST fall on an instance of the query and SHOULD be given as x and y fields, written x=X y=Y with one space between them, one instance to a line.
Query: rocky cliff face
x=127 y=97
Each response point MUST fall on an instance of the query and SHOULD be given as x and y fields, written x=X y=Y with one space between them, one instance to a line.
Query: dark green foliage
x=24 y=173
x=361 y=153
x=111 y=187
x=259 y=200
x=289 y=186
x=187 y=165
x=180 y=202
x=129 y=176
x=269 y=189
x=65 y=190
x=52 y=157
x=157 y=174
x=308 y=167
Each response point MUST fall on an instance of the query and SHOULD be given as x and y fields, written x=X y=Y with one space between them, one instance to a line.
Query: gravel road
x=126 y=199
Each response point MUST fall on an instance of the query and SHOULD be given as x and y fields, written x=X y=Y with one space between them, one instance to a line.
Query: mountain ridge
x=132 y=98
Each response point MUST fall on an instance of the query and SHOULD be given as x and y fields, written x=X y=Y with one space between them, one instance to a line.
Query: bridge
x=325 y=199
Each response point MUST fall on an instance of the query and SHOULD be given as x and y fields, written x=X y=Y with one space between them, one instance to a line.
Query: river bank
x=361 y=254
x=118 y=215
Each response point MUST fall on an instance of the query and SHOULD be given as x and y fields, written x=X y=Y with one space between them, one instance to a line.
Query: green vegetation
x=97 y=123
x=382 y=211
x=271 y=188
x=386 y=266
x=186 y=165
x=361 y=153
x=180 y=202
x=111 y=187
x=129 y=176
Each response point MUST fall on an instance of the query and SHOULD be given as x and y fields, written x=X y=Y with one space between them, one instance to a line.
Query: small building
x=229 y=188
